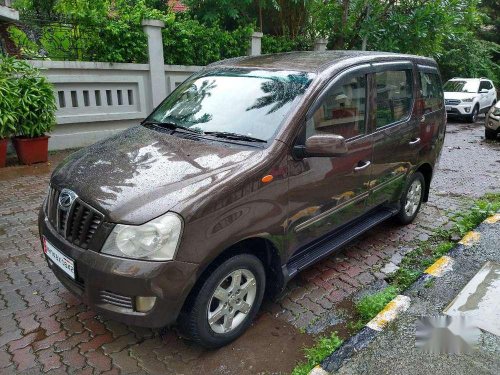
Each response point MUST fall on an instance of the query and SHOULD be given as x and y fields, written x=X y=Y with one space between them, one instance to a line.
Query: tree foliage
x=462 y=35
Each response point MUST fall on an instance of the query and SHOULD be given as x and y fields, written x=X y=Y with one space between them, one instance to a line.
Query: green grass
x=484 y=207
x=370 y=305
x=323 y=348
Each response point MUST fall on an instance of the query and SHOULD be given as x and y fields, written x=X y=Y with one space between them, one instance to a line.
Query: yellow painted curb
x=318 y=370
x=492 y=219
x=399 y=304
x=440 y=266
x=470 y=238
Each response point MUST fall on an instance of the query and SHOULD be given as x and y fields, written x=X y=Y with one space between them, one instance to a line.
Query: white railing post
x=255 y=48
x=152 y=28
x=320 y=44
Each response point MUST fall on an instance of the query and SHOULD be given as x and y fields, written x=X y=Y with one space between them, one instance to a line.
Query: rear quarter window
x=431 y=91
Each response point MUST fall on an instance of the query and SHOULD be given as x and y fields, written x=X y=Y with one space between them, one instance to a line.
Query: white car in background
x=468 y=97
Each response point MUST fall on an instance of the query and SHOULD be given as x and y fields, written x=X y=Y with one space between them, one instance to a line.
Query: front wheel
x=226 y=303
x=411 y=199
x=473 y=116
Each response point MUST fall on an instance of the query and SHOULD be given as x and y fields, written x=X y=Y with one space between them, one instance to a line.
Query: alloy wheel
x=413 y=198
x=474 y=114
x=231 y=301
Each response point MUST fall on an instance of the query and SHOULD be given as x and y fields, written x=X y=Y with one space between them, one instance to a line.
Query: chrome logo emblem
x=66 y=199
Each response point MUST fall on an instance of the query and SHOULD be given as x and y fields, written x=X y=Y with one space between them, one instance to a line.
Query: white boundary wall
x=95 y=100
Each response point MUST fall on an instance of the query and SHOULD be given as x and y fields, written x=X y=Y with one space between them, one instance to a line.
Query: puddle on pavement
x=478 y=300
x=278 y=353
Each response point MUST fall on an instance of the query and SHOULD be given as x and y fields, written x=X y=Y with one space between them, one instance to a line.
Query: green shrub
x=28 y=105
x=277 y=44
x=186 y=41
x=8 y=101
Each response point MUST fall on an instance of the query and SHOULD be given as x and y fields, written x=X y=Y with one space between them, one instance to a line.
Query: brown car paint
x=216 y=187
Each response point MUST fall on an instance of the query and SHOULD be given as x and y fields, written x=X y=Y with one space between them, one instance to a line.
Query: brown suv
x=249 y=172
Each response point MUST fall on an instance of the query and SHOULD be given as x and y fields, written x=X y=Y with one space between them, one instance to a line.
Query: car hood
x=458 y=95
x=141 y=173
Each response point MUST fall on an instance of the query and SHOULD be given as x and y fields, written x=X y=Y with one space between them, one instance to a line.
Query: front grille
x=116 y=299
x=452 y=102
x=78 y=224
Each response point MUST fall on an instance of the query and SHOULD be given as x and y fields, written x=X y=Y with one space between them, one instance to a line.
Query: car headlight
x=157 y=239
x=496 y=112
x=468 y=100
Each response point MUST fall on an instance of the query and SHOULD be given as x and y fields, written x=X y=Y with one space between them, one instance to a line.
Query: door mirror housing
x=483 y=91
x=323 y=145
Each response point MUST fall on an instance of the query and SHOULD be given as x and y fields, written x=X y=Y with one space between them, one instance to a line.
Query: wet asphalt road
x=393 y=351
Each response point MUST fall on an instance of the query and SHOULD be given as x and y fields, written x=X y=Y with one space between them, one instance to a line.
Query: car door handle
x=414 y=142
x=365 y=165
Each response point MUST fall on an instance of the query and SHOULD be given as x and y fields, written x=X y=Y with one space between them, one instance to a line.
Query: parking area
x=43 y=328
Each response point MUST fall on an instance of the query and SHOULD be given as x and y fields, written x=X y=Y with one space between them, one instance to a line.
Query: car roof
x=314 y=62
x=469 y=79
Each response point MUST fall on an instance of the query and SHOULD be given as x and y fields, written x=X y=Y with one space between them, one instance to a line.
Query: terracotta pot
x=3 y=151
x=32 y=150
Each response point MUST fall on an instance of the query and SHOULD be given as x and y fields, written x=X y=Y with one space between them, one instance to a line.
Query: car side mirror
x=483 y=91
x=322 y=145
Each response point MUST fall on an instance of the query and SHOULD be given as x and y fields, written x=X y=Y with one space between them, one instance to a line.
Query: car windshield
x=251 y=103
x=461 y=86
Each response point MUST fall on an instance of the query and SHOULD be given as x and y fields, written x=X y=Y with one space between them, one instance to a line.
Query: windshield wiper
x=236 y=136
x=171 y=125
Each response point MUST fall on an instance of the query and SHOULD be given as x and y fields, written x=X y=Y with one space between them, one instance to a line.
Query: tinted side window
x=342 y=110
x=431 y=91
x=485 y=85
x=394 y=96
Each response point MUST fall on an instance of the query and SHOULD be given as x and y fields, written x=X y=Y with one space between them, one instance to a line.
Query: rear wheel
x=473 y=116
x=227 y=302
x=490 y=134
x=411 y=199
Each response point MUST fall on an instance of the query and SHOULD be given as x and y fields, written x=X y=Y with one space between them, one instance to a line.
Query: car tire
x=473 y=116
x=490 y=134
x=411 y=199
x=213 y=323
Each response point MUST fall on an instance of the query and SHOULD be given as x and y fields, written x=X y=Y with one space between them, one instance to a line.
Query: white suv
x=467 y=97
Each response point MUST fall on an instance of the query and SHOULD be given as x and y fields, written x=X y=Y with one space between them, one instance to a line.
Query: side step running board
x=335 y=241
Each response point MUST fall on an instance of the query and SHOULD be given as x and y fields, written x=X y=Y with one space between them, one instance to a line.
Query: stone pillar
x=255 y=48
x=320 y=44
x=152 y=28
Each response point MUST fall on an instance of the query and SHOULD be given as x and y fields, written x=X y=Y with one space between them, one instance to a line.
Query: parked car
x=492 y=122
x=249 y=172
x=468 y=97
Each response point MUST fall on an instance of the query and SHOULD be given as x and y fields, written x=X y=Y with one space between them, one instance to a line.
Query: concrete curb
x=399 y=304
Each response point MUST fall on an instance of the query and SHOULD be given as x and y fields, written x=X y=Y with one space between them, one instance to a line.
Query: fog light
x=467 y=109
x=144 y=304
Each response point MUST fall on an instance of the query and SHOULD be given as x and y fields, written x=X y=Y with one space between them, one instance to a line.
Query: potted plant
x=8 y=108
x=36 y=114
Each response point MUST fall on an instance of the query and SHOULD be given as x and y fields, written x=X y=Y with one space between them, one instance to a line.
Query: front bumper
x=462 y=109
x=99 y=275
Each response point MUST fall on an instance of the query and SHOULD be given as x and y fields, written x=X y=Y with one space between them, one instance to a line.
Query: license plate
x=448 y=108
x=62 y=261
